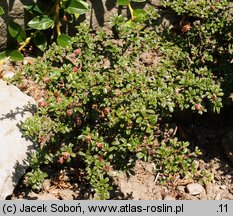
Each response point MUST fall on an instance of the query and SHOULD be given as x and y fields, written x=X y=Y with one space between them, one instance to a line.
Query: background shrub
x=204 y=31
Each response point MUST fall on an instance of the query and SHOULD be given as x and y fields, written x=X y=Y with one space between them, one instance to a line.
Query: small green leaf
x=123 y=2
x=138 y=0
x=63 y=40
x=77 y=7
x=16 y=31
x=63 y=3
x=40 y=41
x=140 y=155
x=138 y=14
x=139 y=119
x=1 y=11
x=15 y=55
x=171 y=109
x=3 y=55
x=33 y=8
x=41 y=22
x=105 y=90
x=153 y=119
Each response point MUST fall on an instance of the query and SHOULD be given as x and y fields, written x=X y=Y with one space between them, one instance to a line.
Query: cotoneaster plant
x=104 y=105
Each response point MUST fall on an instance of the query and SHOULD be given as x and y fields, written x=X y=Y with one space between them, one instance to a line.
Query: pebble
x=195 y=188
x=28 y=60
x=181 y=188
x=216 y=188
x=113 y=173
x=25 y=61
x=66 y=194
x=203 y=196
x=229 y=197
x=168 y=197
x=7 y=74
x=209 y=190
x=223 y=187
x=46 y=185
x=218 y=196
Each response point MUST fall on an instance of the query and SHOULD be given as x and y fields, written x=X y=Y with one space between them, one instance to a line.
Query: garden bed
x=139 y=112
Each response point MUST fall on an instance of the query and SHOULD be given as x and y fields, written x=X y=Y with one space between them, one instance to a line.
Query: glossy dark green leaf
x=15 y=55
x=153 y=119
x=63 y=40
x=16 y=31
x=64 y=3
x=139 y=155
x=138 y=14
x=138 y=0
x=41 y=22
x=33 y=8
x=1 y=11
x=40 y=41
x=77 y=7
x=123 y=2
x=3 y=55
x=139 y=119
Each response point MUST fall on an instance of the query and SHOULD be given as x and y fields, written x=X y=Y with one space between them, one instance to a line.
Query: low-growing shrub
x=107 y=96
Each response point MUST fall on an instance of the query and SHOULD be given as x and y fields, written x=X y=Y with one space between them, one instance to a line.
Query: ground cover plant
x=109 y=95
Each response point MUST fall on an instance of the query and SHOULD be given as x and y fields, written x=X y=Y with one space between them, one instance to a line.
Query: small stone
x=66 y=194
x=216 y=188
x=113 y=173
x=209 y=190
x=218 y=196
x=28 y=60
x=187 y=196
x=168 y=197
x=223 y=187
x=181 y=189
x=7 y=74
x=201 y=164
x=47 y=197
x=46 y=185
x=229 y=197
x=106 y=63
x=203 y=196
x=25 y=61
x=195 y=188
x=66 y=178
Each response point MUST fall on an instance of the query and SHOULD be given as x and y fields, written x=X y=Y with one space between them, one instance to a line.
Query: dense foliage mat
x=105 y=105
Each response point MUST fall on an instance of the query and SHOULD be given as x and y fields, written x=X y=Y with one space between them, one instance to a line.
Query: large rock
x=15 y=107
